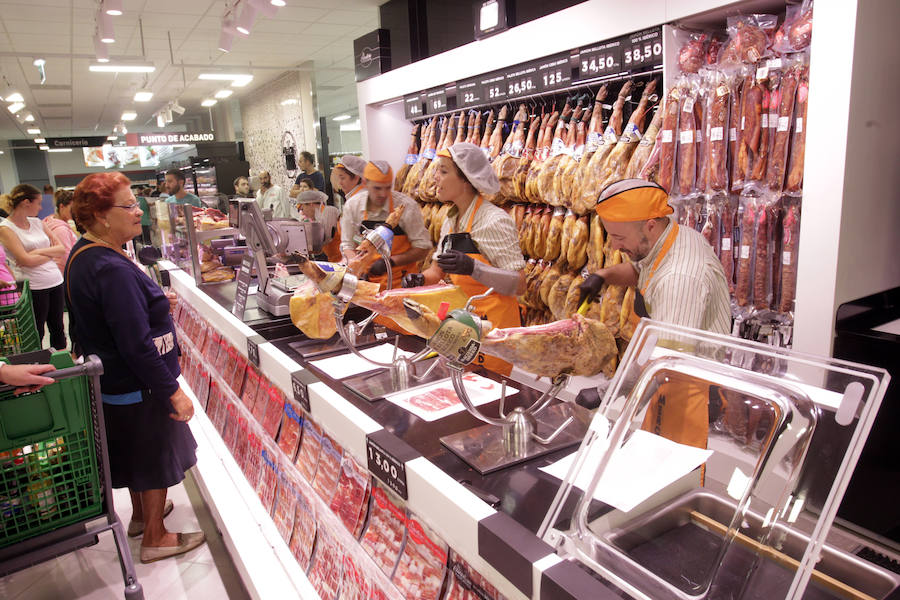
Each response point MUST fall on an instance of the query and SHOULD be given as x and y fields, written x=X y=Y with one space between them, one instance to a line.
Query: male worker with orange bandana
x=678 y=279
x=370 y=208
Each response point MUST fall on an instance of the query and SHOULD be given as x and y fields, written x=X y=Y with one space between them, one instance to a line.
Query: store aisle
x=93 y=573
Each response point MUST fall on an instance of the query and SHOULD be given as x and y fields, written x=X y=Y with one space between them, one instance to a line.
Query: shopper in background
x=145 y=216
x=58 y=223
x=122 y=316
x=242 y=187
x=313 y=207
x=272 y=197
x=159 y=191
x=307 y=164
x=177 y=193
x=5 y=205
x=9 y=295
x=479 y=245
x=48 y=189
x=33 y=247
x=370 y=208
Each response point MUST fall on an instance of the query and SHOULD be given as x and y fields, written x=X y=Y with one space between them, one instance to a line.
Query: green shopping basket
x=49 y=471
x=18 y=332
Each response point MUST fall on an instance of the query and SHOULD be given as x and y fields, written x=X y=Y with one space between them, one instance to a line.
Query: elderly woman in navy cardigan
x=118 y=313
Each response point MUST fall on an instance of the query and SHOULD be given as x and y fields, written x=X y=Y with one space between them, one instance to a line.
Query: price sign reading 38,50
x=642 y=49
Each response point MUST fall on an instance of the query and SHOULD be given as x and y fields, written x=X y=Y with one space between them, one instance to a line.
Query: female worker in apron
x=479 y=246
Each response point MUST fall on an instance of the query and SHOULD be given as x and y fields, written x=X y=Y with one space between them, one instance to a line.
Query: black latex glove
x=456 y=262
x=412 y=280
x=590 y=287
x=379 y=268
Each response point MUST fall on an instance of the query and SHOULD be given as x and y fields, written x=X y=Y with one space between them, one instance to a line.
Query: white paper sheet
x=646 y=464
x=347 y=365
x=437 y=400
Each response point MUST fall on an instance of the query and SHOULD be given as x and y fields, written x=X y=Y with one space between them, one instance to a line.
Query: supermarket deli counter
x=343 y=496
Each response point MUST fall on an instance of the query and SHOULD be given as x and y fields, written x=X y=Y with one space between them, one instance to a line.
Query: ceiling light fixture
x=100 y=50
x=160 y=120
x=278 y=3
x=123 y=68
x=242 y=82
x=246 y=20
x=33 y=131
x=265 y=7
x=59 y=150
x=223 y=93
x=129 y=115
x=226 y=39
x=15 y=107
x=45 y=147
x=112 y=7
x=40 y=141
x=177 y=108
x=15 y=97
x=104 y=24
x=112 y=138
x=208 y=102
x=341 y=118
x=143 y=96
x=288 y=101
x=29 y=118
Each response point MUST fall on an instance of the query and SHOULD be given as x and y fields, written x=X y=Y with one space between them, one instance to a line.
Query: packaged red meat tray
x=466 y=583
x=211 y=350
x=790 y=237
x=213 y=401
x=243 y=443
x=253 y=464
x=268 y=477
x=291 y=429
x=220 y=415
x=325 y=573
x=358 y=582
x=232 y=427
x=222 y=357
x=386 y=529
x=262 y=399
x=310 y=448
x=196 y=323
x=251 y=386
x=329 y=468
x=176 y=314
x=274 y=412
x=285 y=506
x=304 y=534
x=423 y=561
x=749 y=38
x=352 y=491
x=237 y=375
x=202 y=333
x=202 y=389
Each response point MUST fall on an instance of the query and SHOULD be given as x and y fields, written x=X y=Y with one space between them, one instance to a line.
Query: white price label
x=783 y=123
x=745 y=252
x=786 y=258
x=773 y=119
x=667 y=136
x=743 y=124
x=798 y=126
x=774 y=63
x=732 y=134
x=762 y=73
x=726 y=244
x=688 y=105
x=716 y=134
x=686 y=137
x=699 y=136
x=765 y=120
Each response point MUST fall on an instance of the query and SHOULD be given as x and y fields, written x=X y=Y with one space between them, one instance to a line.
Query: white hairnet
x=312 y=197
x=353 y=163
x=474 y=164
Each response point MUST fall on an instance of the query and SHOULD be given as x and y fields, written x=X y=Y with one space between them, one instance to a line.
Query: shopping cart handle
x=91 y=366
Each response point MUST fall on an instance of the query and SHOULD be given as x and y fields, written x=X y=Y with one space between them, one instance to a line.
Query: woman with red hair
x=118 y=313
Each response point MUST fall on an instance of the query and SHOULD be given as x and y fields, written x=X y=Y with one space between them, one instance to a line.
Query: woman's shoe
x=136 y=528
x=186 y=543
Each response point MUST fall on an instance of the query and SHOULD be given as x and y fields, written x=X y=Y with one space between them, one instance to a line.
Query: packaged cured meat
x=794 y=185
x=688 y=124
x=325 y=572
x=771 y=81
x=202 y=335
x=790 y=238
x=350 y=496
x=728 y=213
x=744 y=277
x=213 y=400
x=521 y=175
x=285 y=506
x=219 y=415
x=222 y=357
x=465 y=583
x=795 y=33
x=303 y=536
x=291 y=429
x=667 y=136
x=738 y=82
x=748 y=39
x=710 y=224
x=752 y=138
x=542 y=154
x=274 y=412
x=422 y=565
x=310 y=447
x=262 y=399
x=592 y=142
x=718 y=104
x=617 y=162
x=562 y=144
x=251 y=387
x=253 y=464
x=329 y=468
x=562 y=183
x=645 y=146
x=268 y=476
x=232 y=426
x=202 y=389
x=213 y=343
x=359 y=582
x=242 y=445
x=239 y=370
x=781 y=111
x=764 y=252
x=692 y=47
x=385 y=530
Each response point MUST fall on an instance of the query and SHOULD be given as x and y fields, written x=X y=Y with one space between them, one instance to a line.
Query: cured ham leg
x=366 y=254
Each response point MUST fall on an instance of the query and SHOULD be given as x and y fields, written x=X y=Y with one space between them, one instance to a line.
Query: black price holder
x=600 y=59
x=386 y=456
x=642 y=49
x=243 y=286
x=554 y=72
x=493 y=87
x=412 y=107
x=300 y=380
x=521 y=81
x=468 y=93
x=435 y=101
x=253 y=348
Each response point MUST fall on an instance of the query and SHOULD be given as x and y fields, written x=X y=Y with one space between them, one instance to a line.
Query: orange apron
x=501 y=311
x=400 y=245
x=679 y=409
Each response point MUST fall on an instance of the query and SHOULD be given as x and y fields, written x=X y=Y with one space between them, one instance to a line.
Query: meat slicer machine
x=274 y=238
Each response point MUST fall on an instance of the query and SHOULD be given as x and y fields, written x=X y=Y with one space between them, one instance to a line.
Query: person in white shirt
x=270 y=196
x=313 y=207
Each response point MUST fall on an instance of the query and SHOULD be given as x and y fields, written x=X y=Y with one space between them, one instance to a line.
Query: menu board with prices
x=600 y=59
x=468 y=93
x=522 y=81
x=554 y=72
x=412 y=106
x=642 y=49
x=436 y=101
x=493 y=87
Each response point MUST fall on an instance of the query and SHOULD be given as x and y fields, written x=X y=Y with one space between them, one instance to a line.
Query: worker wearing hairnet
x=479 y=246
x=313 y=207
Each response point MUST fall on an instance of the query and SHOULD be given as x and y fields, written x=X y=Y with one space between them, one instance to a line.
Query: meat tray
x=329 y=468
x=351 y=493
x=420 y=571
x=310 y=447
x=304 y=534
x=386 y=529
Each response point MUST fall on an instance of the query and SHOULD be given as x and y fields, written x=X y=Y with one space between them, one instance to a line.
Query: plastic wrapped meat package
x=222 y=357
x=251 y=384
x=325 y=572
x=274 y=412
x=423 y=562
x=329 y=468
x=220 y=415
x=285 y=506
x=242 y=445
x=253 y=464
x=237 y=375
x=291 y=429
x=466 y=583
x=386 y=528
x=231 y=426
x=212 y=403
x=268 y=478
x=350 y=496
x=211 y=349
x=199 y=341
x=304 y=534
x=358 y=582
x=262 y=399
x=202 y=389
x=310 y=448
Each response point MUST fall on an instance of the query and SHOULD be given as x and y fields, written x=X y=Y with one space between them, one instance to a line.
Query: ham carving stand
x=512 y=437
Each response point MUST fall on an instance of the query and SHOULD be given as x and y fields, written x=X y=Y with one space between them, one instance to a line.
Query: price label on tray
x=642 y=49
x=386 y=467
x=600 y=59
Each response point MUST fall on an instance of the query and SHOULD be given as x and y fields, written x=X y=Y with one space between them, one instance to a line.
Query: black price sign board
x=642 y=49
x=522 y=81
x=243 y=286
x=253 y=348
x=435 y=101
x=300 y=389
x=386 y=456
x=468 y=93
x=412 y=106
x=493 y=87
x=554 y=73
x=600 y=59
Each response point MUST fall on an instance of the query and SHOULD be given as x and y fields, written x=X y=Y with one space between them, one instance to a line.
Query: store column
x=222 y=122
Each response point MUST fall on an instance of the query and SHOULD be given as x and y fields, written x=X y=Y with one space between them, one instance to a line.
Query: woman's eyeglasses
x=129 y=207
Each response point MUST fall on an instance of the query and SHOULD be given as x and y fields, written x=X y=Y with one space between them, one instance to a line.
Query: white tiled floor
x=94 y=574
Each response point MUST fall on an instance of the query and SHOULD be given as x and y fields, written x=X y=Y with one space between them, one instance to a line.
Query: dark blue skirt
x=148 y=450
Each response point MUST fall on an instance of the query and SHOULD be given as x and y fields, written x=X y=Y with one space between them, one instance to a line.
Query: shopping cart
x=55 y=494
x=18 y=333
